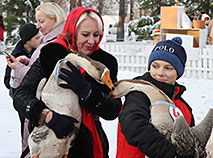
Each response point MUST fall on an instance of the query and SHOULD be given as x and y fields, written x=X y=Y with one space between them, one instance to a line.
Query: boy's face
x=34 y=41
x=163 y=71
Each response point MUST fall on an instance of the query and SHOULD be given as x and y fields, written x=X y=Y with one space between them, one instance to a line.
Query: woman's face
x=87 y=35
x=44 y=23
x=163 y=71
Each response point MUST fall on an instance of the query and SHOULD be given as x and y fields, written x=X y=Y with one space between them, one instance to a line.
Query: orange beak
x=107 y=80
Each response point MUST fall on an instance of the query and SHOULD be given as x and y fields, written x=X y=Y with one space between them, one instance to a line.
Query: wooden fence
x=134 y=57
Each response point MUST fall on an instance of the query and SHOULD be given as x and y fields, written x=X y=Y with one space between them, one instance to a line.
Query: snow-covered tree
x=195 y=6
x=143 y=27
x=153 y=7
x=192 y=6
x=18 y=13
x=104 y=7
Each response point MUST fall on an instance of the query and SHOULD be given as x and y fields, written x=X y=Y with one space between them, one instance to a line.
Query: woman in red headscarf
x=83 y=32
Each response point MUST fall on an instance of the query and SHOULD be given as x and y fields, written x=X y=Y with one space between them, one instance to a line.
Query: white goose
x=189 y=141
x=43 y=142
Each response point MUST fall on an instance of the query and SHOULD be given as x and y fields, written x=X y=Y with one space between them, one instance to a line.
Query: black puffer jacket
x=135 y=121
x=26 y=103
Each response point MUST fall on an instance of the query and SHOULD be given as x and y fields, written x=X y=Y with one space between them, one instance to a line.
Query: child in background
x=24 y=49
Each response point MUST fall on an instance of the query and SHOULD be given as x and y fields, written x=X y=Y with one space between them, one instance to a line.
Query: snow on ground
x=199 y=95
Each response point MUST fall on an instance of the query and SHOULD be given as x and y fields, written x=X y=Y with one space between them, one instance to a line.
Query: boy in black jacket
x=30 y=40
x=137 y=136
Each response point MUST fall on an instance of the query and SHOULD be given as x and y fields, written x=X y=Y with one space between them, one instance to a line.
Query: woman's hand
x=49 y=117
x=75 y=81
x=12 y=61
x=62 y=125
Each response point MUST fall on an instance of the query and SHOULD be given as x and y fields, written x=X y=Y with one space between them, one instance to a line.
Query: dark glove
x=62 y=125
x=75 y=81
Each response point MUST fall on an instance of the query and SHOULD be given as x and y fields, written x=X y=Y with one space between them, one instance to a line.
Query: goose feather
x=43 y=142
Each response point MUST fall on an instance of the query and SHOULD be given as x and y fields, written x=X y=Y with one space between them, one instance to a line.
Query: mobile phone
x=5 y=53
x=8 y=55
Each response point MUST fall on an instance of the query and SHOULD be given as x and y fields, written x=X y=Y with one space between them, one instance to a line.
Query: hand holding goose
x=75 y=81
x=82 y=32
x=64 y=104
x=159 y=121
x=190 y=141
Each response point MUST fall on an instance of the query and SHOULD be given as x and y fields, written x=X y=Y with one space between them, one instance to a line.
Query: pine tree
x=192 y=6
x=153 y=7
x=195 y=6
x=18 y=13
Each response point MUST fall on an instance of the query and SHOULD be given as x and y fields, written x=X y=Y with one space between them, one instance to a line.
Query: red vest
x=124 y=150
x=186 y=113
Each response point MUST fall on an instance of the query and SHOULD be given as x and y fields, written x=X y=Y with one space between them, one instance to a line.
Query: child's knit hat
x=27 y=31
x=172 y=52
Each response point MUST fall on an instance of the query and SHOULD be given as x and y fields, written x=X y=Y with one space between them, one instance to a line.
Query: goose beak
x=107 y=80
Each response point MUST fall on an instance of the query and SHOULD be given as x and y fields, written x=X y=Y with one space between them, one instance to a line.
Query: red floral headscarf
x=67 y=37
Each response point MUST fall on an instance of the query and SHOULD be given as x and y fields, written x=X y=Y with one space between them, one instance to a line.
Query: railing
x=134 y=57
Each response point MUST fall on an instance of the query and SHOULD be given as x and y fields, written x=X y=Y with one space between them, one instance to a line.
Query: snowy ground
x=199 y=95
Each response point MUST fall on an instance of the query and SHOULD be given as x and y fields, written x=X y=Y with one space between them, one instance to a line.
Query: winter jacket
x=19 y=50
x=22 y=69
x=136 y=135
x=97 y=105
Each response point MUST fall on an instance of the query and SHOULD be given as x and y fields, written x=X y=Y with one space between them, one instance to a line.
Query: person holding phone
x=50 y=19
x=30 y=40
